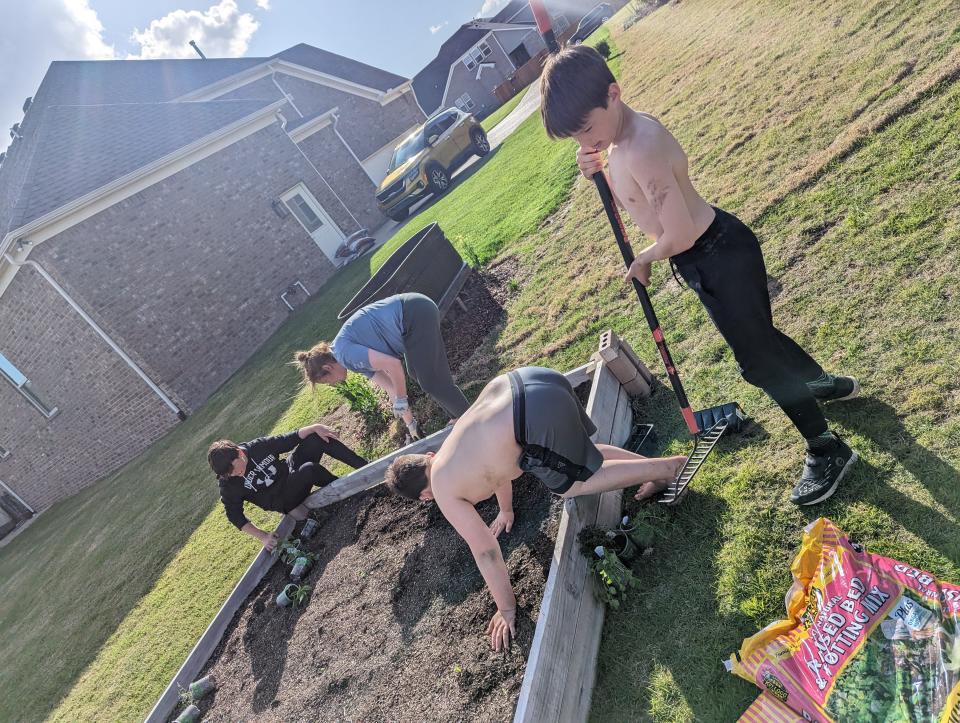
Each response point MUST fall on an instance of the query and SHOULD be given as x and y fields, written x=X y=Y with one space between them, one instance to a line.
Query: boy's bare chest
x=631 y=198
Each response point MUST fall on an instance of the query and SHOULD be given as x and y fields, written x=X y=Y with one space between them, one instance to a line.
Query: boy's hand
x=501 y=627
x=502 y=523
x=324 y=432
x=269 y=540
x=590 y=161
x=640 y=272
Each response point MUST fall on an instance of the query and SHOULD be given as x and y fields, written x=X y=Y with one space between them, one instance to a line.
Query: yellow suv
x=425 y=161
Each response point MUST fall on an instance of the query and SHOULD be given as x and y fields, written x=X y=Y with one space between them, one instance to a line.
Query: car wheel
x=399 y=215
x=438 y=179
x=481 y=145
x=603 y=20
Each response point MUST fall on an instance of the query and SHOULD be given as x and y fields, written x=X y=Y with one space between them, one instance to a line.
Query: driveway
x=529 y=104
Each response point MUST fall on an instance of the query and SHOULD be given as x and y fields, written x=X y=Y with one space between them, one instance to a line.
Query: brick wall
x=107 y=414
x=342 y=171
x=187 y=274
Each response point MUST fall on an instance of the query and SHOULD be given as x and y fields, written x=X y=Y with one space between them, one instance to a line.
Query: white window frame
x=23 y=385
x=465 y=103
x=309 y=201
x=560 y=23
x=476 y=54
x=4 y=452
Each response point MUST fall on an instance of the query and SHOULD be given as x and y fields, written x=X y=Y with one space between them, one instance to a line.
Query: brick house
x=487 y=61
x=159 y=219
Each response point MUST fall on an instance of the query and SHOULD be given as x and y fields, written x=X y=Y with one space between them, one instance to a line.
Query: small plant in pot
x=202 y=687
x=310 y=528
x=294 y=595
x=301 y=566
x=612 y=579
x=289 y=549
x=639 y=530
x=190 y=714
x=617 y=541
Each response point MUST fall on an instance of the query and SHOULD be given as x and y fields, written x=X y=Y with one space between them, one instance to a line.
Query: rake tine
x=704 y=446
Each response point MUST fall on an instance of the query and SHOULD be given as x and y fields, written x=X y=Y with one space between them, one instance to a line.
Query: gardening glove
x=400 y=405
x=413 y=429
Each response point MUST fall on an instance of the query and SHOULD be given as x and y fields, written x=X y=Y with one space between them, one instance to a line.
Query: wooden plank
x=551 y=688
x=212 y=636
x=446 y=301
x=344 y=487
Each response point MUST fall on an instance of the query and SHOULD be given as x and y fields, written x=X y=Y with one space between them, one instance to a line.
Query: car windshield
x=407 y=150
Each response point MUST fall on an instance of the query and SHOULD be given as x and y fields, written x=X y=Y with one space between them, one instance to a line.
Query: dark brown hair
x=574 y=82
x=311 y=362
x=221 y=456
x=407 y=475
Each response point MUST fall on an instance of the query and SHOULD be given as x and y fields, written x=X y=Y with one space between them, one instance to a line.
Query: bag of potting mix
x=866 y=638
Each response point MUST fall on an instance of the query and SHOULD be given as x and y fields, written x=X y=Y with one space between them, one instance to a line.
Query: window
x=465 y=102
x=560 y=24
x=304 y=212
x=476 y=55
x=4 y=453
x=13 y=375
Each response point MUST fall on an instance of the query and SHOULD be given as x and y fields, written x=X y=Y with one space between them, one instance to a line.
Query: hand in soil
x=502 y=523
x=501 y=627
x=649 y=489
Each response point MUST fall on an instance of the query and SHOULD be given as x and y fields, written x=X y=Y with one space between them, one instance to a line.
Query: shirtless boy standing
x=717 y=254
x=528 y=420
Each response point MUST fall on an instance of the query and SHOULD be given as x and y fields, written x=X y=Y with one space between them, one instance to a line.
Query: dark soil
x=484 y=295
x=394 y=628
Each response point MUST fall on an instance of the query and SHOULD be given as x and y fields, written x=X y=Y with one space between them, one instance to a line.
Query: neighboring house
x=487 y=61
x=159 y=219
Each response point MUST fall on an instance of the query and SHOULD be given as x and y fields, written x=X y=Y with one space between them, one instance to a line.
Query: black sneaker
x=829 y=388
x=822 y=473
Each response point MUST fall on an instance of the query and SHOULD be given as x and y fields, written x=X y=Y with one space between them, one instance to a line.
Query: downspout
x=18 y=497
x=100 y=332
x=289 y=98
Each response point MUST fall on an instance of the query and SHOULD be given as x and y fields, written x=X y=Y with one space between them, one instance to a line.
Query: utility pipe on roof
x=100 y=332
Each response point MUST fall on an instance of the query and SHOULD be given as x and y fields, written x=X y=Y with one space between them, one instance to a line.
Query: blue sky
x=399 y=35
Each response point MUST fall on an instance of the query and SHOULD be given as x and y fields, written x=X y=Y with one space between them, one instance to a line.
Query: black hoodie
x=262 y=482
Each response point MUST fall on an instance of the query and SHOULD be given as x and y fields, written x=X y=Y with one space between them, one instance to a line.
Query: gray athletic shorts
x=552 y=428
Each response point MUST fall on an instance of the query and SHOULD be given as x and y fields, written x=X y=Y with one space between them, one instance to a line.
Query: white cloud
x=434 y=29
x=35 y=33
x=221 y=31
x=263 y=4
x=491 y=7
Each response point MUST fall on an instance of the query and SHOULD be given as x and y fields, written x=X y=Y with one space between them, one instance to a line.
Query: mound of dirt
x=394 y=628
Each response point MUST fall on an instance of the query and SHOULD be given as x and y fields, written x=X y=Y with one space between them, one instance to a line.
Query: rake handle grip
x=616 y=223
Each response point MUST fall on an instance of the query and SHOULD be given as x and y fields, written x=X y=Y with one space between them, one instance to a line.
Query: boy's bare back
x=481 y=452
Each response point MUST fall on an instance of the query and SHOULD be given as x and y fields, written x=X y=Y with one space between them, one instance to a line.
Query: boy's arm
x=504 y=519
x=486 y=552
x=654 y=175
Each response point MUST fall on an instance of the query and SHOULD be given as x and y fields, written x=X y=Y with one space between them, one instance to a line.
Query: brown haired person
x=254 y=472
x=715 y=252
x=529 y=420
x=373 y=341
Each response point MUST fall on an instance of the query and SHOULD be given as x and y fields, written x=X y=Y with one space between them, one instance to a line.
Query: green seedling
x=300 y=595
x=612 y=579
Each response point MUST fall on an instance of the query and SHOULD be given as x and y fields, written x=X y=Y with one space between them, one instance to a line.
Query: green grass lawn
x=500 y=113
x=833 y=129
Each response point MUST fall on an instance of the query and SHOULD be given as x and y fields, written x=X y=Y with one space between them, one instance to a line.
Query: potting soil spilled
x=394 y=628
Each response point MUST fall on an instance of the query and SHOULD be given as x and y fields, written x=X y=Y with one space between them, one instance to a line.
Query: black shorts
x=552 y=428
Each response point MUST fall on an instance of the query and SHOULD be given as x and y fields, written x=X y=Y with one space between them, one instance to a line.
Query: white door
x=314 y=219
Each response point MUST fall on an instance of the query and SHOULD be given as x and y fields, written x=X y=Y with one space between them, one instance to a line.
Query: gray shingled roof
x=94 y=121
x=341 y=67
x=82 y=148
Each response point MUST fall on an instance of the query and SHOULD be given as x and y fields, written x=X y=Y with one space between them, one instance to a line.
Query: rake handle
x=616 y=223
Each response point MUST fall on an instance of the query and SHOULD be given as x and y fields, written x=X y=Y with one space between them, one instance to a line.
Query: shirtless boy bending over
x=528 y=420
